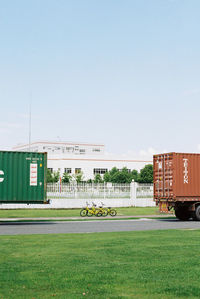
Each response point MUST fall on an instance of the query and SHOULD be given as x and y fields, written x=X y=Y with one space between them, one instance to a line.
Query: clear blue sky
x=125 y=73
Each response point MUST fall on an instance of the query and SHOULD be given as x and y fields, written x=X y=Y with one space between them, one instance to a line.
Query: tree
x=66 y=178
x=106 y=177
x=55 y=176
x=52 y=177
x=113 y=171
x=89 y=181
x=78 y=177
x=146 y=174
x=49 y=176
x=135 y=175
x=122 y=176
x=98 y=179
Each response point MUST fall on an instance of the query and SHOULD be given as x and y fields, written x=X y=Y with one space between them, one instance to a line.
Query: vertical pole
x=168 y=175
x=158 y=179
x=60 y=180
x=76 y=189
x=30 y=122
x=163 y=175
x=133 y=192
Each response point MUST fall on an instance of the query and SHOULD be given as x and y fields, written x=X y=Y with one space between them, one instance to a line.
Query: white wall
x=71 y=203
x=80 y=203
x=87 y=164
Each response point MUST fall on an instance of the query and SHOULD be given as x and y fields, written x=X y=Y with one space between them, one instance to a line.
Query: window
x=82 y=151
x=77 y=170
x=129 y=170
x=69 y=149
x=96 y=150
x=100 y=170
x=68 y=170
x=51 y=170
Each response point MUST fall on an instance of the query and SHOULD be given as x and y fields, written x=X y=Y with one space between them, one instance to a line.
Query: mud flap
x=164 y=207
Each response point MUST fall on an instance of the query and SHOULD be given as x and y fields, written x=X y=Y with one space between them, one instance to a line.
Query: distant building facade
x=90 y=159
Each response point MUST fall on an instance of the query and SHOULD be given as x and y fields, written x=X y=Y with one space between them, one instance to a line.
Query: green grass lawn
x=72 y=212
x=153 y=264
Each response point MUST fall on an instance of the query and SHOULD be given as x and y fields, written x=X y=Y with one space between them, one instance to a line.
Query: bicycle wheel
x=104 y=213
x=83 y=213
x=113 y=212
x=99 y=214
x=90 y=213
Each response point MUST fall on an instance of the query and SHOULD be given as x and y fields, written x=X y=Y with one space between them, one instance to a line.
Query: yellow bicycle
x=93 y=211
x=89 y=211
x=84 y=211
x=110 y=211
x=102 y=211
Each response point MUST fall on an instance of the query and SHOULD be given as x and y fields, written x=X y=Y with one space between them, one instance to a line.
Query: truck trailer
x=23 y=177
x=177 y=184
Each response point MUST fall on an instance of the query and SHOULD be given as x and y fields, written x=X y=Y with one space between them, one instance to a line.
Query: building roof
x=56 y=143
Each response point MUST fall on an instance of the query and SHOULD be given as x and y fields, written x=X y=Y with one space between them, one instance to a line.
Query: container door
x=163 y=176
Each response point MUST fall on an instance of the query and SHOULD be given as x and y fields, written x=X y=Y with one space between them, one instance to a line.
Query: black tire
x=113 y=212
x=96 y=213
x=105 y=213
x=90 y=213
x=182 y=213
x=197 y=213
x=83 y=213
x=99 y=214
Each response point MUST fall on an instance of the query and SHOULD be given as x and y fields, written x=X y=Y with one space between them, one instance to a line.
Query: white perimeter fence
x=73 y=195
x=88 y=191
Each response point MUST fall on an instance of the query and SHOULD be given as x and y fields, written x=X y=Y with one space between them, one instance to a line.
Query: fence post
x=133 y=193
x=75 y=190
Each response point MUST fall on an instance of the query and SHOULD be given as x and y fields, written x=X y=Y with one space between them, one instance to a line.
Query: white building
x=85 y=157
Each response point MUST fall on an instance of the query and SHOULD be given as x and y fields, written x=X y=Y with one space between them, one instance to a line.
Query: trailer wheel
x=197 y=213
x=183 y=214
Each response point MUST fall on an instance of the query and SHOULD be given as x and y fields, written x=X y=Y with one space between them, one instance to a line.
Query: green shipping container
x=22 y=177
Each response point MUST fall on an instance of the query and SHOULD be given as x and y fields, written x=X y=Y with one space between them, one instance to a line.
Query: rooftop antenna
x=30 y=103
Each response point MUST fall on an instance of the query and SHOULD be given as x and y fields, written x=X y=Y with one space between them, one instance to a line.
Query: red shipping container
x=177 y=181
x=177 y=176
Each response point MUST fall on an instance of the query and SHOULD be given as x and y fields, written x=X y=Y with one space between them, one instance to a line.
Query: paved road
x=54 y=227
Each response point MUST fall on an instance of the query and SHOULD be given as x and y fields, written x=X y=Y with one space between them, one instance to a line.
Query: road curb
x=82 y=218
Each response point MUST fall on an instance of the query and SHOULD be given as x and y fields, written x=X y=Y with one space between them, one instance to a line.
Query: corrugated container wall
x=22 y=177
x=177 y=176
